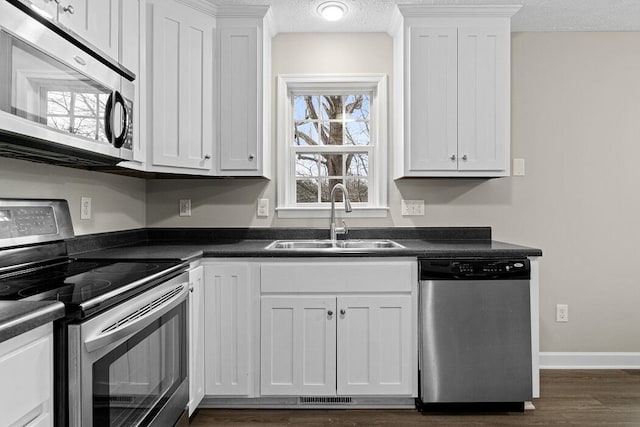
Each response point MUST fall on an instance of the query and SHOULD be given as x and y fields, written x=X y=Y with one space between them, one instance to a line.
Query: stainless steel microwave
x=59 y=102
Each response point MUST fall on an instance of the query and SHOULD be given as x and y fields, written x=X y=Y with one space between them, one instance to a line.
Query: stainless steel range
x=121 y=350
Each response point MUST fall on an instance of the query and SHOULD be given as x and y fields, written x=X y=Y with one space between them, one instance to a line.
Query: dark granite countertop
x=255 y=248
x=17 y=317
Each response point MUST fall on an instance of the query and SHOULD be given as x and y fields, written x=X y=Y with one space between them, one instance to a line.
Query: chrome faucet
x=347 y=208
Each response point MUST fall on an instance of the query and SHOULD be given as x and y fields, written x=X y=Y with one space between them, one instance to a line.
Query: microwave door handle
x=119 y=140
x=133 y=322
x=108 y=118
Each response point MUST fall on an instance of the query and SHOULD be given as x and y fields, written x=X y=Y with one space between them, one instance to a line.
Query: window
x=78 y=112
x=331 y=130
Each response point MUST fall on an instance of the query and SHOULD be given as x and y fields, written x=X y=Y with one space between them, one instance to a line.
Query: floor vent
x=325 y=400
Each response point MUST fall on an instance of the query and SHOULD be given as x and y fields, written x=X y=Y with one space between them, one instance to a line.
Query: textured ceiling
x=536 y=15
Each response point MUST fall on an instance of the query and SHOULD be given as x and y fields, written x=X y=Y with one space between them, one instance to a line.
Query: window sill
x=323 y=212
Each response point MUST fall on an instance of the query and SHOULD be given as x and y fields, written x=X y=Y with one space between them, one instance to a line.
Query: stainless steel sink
x=333 y=246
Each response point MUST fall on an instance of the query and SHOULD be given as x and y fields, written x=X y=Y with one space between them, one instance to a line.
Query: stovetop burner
x=82 y=290
x=80 y=284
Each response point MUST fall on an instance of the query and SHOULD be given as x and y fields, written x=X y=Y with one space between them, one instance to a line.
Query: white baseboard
x=593 y=360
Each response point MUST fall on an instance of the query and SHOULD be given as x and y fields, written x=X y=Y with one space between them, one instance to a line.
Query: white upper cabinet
x=180 y=42
x=452 y=77
x=244 y=75
x=96 y=21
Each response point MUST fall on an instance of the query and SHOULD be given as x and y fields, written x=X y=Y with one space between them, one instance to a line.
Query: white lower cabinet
x=345 y=328
x=231 y=316
x=26 y=369
x=196 y=337
x=317 y=345
x=298 y=340
x=374 y=345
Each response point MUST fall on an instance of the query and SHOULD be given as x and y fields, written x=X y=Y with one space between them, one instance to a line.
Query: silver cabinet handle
x=330 y=313
x=207 y=157
x=343 y=311
x=69 y=9
x=251 y=157
x=453 y=157
x=464 y=157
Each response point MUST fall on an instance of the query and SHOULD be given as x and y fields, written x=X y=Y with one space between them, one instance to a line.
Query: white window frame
x=290 y=84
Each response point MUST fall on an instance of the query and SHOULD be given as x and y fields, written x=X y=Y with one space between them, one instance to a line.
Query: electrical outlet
x=185 y=207
x=412 y=207
x=263 y=208
x=518 y=167
x=562 y=312
x=85 y=208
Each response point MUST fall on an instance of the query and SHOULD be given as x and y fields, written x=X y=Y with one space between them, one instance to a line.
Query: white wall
x=118 y=202
x=576 y=122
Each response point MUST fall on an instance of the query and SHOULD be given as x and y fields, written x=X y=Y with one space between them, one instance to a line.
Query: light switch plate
x=85 y=208
x=518 y=167
x=263 y=208
x=412 y=207
x=185 y=207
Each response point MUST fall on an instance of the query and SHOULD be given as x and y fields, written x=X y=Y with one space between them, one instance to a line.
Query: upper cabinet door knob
x=207 y=157
x=453 y=157
x=69 y=9
x=251 y=157
x=464 y=157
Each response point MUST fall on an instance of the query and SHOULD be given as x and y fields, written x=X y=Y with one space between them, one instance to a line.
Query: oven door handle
x=134 y=321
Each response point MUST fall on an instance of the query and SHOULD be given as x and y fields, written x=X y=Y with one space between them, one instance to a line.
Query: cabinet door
x=96 y=21
x=240 y=98
x=374 y=345
x=483 y=98
x=196 y=338
x=26 y=370
x=432 y=96
x=298 y=346
x=181 y=42
x=227 y=329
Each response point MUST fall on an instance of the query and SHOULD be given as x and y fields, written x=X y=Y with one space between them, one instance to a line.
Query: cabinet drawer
x=369 y=275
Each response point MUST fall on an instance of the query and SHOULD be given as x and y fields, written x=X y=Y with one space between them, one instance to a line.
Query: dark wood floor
x=569 y=398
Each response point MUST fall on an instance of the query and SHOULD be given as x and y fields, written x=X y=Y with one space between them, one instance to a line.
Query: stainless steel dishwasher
x=475 y=334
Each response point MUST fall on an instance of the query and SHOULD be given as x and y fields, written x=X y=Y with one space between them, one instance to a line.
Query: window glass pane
x=326 y=185
x=331 y=165
x=306 y=107
x=357 y=107
x=306 y=191
x=331 y=107
x=86 y=127
x=357 y=164
x=358 y=190
x=63 y=123
x=86 y=104
x=357 y=133
x=58 y=103
x=307 y=165
x=306 y=133
x=332 y=133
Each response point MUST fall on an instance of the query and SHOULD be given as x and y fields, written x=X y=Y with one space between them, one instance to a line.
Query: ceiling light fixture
x=332 y=10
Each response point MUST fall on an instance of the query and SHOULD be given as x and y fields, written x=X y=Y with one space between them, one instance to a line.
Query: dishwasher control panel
x=474 y=269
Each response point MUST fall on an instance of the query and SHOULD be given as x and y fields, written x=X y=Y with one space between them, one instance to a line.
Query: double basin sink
x=334 y=245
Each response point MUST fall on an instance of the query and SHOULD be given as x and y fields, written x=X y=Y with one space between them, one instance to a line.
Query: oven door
x=128 y=366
